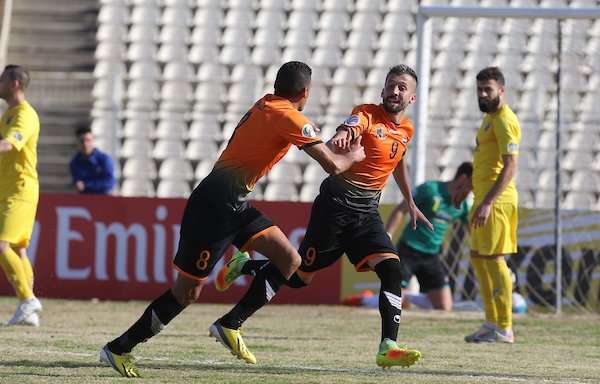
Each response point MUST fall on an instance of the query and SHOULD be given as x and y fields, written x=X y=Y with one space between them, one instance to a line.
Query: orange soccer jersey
x=385 y=144
x=263 y=136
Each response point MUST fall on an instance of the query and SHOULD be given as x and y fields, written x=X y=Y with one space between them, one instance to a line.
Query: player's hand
x=481 y=215
x=416 y=215
x=80 y=185
x=357 y=151
x=342 y=139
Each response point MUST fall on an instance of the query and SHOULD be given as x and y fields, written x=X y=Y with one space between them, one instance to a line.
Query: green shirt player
x=443 y=203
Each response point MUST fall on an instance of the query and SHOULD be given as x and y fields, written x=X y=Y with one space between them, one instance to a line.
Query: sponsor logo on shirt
x=308 y=131
x=352 y=121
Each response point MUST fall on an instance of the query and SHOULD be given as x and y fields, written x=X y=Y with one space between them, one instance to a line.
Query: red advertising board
x=117 y=248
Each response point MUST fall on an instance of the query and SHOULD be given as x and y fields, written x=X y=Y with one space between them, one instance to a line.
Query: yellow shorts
x=499 y=234
x=16 y=221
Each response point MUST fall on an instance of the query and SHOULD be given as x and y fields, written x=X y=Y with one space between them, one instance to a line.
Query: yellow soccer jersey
x=499 y=134
x=20 y=126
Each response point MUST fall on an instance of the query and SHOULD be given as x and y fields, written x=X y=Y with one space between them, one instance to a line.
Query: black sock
x=251 y=267
x=390 y=297
x=156 y=316
x=264 y=286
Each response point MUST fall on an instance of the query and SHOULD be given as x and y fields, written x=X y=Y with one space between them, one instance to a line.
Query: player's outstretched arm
x=336 y=163
x=401 y=177
x=396 y=218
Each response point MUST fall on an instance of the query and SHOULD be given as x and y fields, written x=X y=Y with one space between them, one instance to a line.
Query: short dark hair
x=402 y=69
x=292 y=78
x=465 y=168
x=16 y=72
x=82 y=131
x=491 y=73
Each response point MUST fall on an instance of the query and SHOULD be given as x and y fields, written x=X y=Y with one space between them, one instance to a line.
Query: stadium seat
x=280 y=192
x=308 y=192
x=305 y=5
x=334 y=19
x=585 y=181
x=111 y=32
x=147 y=33
x=314 y=174
x=137 y=188
x=178 y=70
x=400 y=6
x=145 y=14
x=579 y=201
x=232 y=55
x=330 y=38
x=173 y=188
x=139 y=168
x=207 y=128
x=148 y=70
x=203 y=53
x=265 y=55
x=136 y=147
x=172 y=53
x=303 y=54
x=168 y=148
x=297 y=156
x=391 y=40
x=109 y=69
x=110 y=50
x=171 y=129
x=210 y=92
x=348 y=76
x=201 y=149
x=203 y=168
x=142 y=51
x=270 y=20
x=139 y=128
x=176 y=169
x=239 y=18
x=177 y=16
x=113 y=13
x=298 y=38
x=276 y=5
x=285 y=172
x=208 y=18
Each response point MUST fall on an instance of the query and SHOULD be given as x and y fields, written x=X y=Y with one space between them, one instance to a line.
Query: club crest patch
x=308 y=131
x=380 y=132
x=352 y=121
x=512 y=147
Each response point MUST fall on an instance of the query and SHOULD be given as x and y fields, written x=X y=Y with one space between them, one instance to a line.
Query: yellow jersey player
x=19 y=190
x=494 y=214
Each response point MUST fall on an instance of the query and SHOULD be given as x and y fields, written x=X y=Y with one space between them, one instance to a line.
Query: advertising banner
x=118 y=248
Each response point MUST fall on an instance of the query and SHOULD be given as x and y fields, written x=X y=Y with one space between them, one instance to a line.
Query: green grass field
x=296 y=344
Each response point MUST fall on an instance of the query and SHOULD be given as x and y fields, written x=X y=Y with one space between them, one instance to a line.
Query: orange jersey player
x=345 y=217
x=218 y=214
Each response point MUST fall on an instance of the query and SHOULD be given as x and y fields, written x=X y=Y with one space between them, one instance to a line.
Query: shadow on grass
x=261 y=370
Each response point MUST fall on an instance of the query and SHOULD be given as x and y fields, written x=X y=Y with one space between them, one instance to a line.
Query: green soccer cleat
x=124 y=364
x=232 y=340
x=391 y=354
x=231 y=271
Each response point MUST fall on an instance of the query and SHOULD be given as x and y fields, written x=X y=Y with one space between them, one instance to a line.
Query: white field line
x=370 y=372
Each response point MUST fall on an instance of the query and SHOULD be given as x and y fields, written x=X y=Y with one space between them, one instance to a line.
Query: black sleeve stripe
x=310 y=144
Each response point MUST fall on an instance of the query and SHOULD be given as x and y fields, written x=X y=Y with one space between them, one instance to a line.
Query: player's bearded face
x=397 y=93
x=488 y=96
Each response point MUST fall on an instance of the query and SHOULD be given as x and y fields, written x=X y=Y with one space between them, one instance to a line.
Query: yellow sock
x=502 y=284
x=485 y=289
x=13 y=268
x=28 y=271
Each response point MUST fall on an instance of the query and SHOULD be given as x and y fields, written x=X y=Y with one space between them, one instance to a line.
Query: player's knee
x=186 y=291
x=389 y=272
x=293 y=261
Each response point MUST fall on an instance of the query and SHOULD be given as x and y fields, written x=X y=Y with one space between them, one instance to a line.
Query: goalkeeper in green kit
x=443 y=203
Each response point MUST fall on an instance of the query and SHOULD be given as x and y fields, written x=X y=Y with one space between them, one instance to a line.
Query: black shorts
x=334 y=229
x=426 y=267
x=209 y=225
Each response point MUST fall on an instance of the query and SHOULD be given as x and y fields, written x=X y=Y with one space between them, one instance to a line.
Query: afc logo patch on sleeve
x=352 y=121
x=308 y=131
x=512 y=147
x=18 y=136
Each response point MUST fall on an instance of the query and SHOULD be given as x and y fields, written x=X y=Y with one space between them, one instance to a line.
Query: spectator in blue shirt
x=91 y=169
